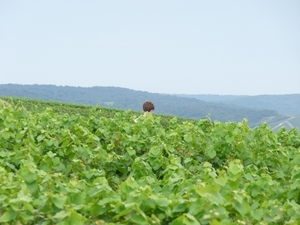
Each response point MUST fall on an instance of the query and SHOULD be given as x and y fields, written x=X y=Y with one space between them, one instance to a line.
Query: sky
x=174 y=47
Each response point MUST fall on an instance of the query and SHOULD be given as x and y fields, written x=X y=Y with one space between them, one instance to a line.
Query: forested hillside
x=122 y=98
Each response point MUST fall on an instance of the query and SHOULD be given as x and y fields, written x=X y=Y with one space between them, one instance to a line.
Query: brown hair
x=148 y=106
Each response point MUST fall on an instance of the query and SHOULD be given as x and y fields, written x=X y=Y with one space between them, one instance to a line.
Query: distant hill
x=212 y=98
x=122 y=98
x=285 y=104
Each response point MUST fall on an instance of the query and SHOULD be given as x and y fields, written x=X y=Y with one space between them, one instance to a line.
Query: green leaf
x=49 y=142
x=26 y=217
x=254 y=191
x=40 y=201
x=188 y=138
x=215 y=222
x=185 y=219
x=235 y=168
x=139 y=219
x=27 y=175
x=257 y=214
x=242 y=207
x=6 y=217
x=187 y=160
x=61 y=215
x=5 y=135
x=128 y=209
x=76 y=218
x=33 y=187
x=131 y=151
x=59 y=201
x=162 y=202
x=94 y=191
x=216 y=198
x=155 y=151
x=40 y=138
x=148 y=203
x=221 y=180
x=211 y=153
x=78 y=198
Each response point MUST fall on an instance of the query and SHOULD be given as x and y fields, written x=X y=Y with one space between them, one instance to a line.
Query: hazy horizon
x=182 y=94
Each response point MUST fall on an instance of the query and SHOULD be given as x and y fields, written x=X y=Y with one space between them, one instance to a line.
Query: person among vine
x=148 y=108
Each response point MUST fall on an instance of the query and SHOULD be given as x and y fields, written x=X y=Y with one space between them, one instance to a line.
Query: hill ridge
x=124 y=98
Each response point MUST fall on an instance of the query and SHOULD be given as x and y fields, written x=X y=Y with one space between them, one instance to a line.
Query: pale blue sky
x=175 y=47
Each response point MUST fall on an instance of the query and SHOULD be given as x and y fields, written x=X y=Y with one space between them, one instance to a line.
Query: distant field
x=296 y=121
x=288 y=122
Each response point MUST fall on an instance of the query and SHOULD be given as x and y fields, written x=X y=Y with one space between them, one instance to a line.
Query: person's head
x=148 y=107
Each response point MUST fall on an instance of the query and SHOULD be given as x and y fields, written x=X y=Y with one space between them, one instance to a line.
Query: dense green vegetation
x=61 y=168
x=58 y=107
x=126 y=99
x=35 y=105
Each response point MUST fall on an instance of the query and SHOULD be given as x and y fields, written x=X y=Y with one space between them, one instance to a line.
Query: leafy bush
x=61 y=168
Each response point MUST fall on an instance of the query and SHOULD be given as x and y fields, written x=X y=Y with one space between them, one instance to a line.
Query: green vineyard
x=69 y=164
